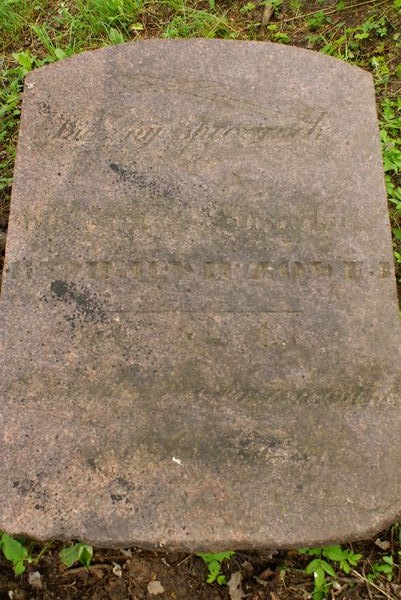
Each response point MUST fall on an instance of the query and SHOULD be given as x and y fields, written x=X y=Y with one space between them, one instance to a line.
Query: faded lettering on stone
x=210 y=270
x=180 y=136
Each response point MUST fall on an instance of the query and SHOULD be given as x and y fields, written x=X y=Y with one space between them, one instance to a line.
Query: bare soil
x=126 y=575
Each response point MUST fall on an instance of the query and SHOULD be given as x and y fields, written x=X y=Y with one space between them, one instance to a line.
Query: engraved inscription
x=181 y=135
x=178 y=135
x=271 y=396
x=226 y=218
x=212 y=270
x=64 y=127
x=353 y=270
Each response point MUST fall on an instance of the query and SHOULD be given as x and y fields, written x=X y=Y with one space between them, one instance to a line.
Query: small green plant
x=384 y=567
x=320 y=566
x=278 y=36
x=115 y=36
x=79 y=552
x=390 y=132
x=214 y=561
x=15 y=552
x=247 y=8
x=317 y=20
x=296 y=5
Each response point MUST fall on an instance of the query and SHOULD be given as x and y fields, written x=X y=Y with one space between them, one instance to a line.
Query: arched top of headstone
x=200 y=337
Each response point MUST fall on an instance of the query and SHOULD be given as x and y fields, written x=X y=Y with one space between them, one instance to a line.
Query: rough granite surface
x=200 y=343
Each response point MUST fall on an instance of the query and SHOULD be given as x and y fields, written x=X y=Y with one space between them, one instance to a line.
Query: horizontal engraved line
x=205 y=312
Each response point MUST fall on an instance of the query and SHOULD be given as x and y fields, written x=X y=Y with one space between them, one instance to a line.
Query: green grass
x=85 y=24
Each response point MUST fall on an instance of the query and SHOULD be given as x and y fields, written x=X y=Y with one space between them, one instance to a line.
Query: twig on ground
x=95 y=567
x=183 y=560
x=367 y=585
x=372 y=584
x=267 y=13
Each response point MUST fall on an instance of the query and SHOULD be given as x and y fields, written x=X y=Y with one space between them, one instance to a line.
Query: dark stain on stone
x=132 y=178
x=87 y=306
x=24 y=487
x=121 y=489
x=33 y=489
x=91 y=463
x=123 y=483
x=256 y=446
x=116 y=498
x=44 y=108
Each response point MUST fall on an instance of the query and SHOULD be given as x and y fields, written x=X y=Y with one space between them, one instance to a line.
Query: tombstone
x=200 y=336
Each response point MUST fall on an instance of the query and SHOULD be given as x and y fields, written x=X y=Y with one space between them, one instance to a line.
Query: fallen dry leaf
x=235 y=587
x=247 y=566
x=117 y=570
x=266 y=574
x=383 y=545
x=35 y=580
x=155 y=588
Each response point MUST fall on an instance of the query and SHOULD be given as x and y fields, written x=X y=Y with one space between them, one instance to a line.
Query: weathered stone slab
x=200 y=336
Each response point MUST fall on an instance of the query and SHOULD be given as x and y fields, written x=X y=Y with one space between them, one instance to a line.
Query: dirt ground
x=126 y=575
